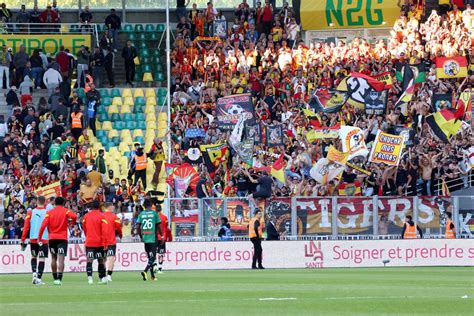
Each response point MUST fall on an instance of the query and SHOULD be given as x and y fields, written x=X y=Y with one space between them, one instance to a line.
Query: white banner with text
x=276 y=254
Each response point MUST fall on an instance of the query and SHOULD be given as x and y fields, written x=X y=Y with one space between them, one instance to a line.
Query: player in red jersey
x=162 y=238
x=113 y=229
x=95 y=225
x=56 y=221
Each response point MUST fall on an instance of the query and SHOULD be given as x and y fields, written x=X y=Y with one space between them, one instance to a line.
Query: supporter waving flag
x=358 y=86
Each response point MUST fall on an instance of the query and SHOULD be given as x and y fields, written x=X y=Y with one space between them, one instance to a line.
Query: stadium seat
x=142 y=45
x=125 y=133
x=80 y=93
x=162 y=92
x=138 y=93
x=106 y=101
x=101 y=133
x=150 y=108
x=140 y=117
x=127 y=117
x=150 y=28
x=115 y=93
x=159 y=76
x=103 y=118
x=139 y=28
x=101 y=110
x=128 y=101
x=115 y=140
x=151 y=126
x=140 y=101
x=161 y=133
x=160 y=28
x=152 y=37
x=127 y=28
x=107 y=126
x=150 y=117
x=141 y=125
x=147 y=77
x=104 y=93
x=151 y=101
x=157 y=66
x=130 y=125
x=138 y=75
x=119 y=125
x=137 y=132
x=144 y=53
x=161 y=100
x=150 y=93
x=156 y=53
x=115 y=117
x=125 y=109
x=113 y=109
x=145 y=61
x=142 y=37
x=132 y=37
x=146 y=68
x=137 y=109
x=126 y=92
x=162 y=117
x=113 y=133
x=117 y=101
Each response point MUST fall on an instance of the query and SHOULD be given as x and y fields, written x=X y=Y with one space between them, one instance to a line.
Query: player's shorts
x=150 y=249
x=37 y=251
x=95 y=253
x=161 y=248
x=111 y=250
x=58 y=247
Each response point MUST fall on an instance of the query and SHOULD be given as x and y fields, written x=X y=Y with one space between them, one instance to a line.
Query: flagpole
x=168 y=84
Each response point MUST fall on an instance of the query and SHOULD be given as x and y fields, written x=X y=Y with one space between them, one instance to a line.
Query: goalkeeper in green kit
x=148 y=224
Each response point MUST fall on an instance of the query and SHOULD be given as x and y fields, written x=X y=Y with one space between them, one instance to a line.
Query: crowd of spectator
x=262 y=54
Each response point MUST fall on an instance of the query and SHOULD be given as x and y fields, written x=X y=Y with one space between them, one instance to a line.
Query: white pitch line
x=277 y=299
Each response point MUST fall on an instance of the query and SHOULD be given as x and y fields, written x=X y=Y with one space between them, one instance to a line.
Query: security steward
x=76 y=123
x=140 y=167
x=410 y=229
x=255 y=235
x=450 y=232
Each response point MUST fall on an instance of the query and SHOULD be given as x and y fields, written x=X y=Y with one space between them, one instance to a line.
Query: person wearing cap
x=5 y=60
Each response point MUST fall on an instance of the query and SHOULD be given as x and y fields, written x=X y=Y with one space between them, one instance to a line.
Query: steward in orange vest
x=140 y=167
x=410 y=229
x=450 y=232
x=76 y=123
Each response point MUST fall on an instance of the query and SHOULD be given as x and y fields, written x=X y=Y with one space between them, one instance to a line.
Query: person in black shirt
x=86 y=18
x=129 y=53
x=98 y=60
x=272 y=232
x=109 y=66
x=93 y=101
x=113 y=22
x=201 y=190
x=181 y=8
x=183 y=27
x=264 y=187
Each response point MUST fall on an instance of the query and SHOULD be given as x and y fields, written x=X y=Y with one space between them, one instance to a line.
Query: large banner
x=231 y=108
x=48 y=43
x=353 y=141
x=343 y=14
x=50 y=190
x=387 y=149
x=238 y=255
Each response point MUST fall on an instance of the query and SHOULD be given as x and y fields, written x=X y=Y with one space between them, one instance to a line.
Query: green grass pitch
x=381 y=291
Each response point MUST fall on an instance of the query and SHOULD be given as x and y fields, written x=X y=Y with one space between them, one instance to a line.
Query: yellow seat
x=128 y=101
x=112 y=109
x=150 y=133
x=137 y=132
x=151 y=101
x=117 y=101
x=113 y=154
x=138 y=93
x=148 y=144
x=125 y=133
x=150 y=109
x=125 y=109
x=150 y=93
x=127 y=92
x=151 y=125
x=112 y=133
x=162 y=116
x=147 y=77
x=107 y=126
x=150 y=117
x=97 y=127
x=161 y=133
x=128 y=141
x=162 y=187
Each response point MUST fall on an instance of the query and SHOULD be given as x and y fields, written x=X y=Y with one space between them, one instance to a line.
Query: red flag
x=374 y=83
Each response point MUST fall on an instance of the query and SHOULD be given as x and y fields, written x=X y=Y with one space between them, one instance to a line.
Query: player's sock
x=101 y=270
x=34 y=263
x=55 y=275
x=89 y=269
x=160 y=264
x=40 y=269
x=109 y=272
x=60 y=276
